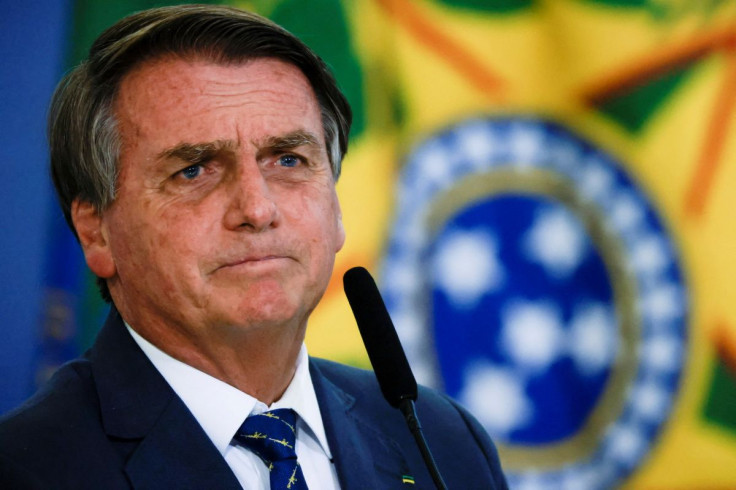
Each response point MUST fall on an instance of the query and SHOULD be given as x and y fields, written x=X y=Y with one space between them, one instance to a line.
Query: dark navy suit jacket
x=110 y=421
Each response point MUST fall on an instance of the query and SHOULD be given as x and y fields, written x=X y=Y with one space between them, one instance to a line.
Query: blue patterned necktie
x=272 y=437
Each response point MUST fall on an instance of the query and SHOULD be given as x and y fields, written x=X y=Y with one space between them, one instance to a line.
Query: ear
x=94 y=238
x=340 y=241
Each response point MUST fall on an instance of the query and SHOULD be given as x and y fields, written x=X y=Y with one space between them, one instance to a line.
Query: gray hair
x=83 y=138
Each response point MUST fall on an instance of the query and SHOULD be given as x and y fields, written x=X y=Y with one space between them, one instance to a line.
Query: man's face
x=226 y=214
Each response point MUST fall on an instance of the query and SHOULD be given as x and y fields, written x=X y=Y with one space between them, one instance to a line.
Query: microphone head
x=379 y=336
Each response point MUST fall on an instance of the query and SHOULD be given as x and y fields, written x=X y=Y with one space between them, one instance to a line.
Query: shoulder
x=69 y=392
x=45 y=433
x=361 y=384
x=455 y=437
x=348 y=378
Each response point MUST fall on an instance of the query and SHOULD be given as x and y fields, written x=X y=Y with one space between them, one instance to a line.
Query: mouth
x=254 y=263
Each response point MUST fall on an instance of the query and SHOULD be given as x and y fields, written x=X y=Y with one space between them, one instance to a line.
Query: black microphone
x=379 y=336
x=387 y=356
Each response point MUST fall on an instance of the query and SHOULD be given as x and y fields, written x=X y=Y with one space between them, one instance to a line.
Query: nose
x=252 y=206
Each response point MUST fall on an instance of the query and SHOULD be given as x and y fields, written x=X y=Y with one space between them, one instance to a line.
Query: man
x=195 y=155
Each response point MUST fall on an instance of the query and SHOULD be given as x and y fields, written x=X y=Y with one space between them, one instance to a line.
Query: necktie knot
x=272 y=437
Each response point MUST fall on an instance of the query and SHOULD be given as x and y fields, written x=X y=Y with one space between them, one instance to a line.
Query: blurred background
x=543 y=188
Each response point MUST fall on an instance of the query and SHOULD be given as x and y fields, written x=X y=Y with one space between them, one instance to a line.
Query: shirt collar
x=300 y=397
x=221 y=408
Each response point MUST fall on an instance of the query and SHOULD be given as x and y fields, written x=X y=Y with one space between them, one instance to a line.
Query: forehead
x=196 y=99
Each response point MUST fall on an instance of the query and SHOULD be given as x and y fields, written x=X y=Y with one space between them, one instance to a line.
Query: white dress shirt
x=220 y=409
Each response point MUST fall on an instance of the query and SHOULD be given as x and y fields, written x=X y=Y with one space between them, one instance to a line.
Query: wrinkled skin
x=222 y=236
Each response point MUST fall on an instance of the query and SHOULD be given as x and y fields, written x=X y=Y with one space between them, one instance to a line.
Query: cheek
x=134 y=247
x=160 y=263
x=328 y=233
x=142 y=238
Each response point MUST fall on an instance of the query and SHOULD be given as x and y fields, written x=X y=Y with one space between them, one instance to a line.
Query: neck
x=260 y=361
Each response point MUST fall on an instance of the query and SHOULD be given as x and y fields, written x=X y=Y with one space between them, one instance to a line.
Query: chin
x=265 y=303
x=254 y=313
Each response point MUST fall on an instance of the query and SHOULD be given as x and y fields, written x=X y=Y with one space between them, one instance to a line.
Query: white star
x=593 y=342
x=477 y=144
x=532 y=481
x=466 y=266
x=414 y=188
x=425 y=375
x=408 y=326
x=526 y=144
x=626 y=212
x=650 y=255
x=413 y=233
x=651 y=402
x=626 y=444
x=532 y=333
x=596 y=181
x=496 y=398
x=579 y=478
x=562 y=154
x=662 y=353
x=435 y=164
x=663 y=303
x=556 y=240
x=400 y=277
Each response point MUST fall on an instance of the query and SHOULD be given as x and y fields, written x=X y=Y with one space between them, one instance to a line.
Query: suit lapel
x=176 y=453
x=363 y=457
x=167 y=447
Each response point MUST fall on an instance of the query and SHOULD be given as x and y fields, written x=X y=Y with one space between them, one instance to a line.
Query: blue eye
x=191 y=172
x=288 y=161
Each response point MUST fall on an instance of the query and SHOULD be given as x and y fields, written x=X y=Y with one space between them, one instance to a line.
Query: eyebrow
x=288 y=141
x=196 y=152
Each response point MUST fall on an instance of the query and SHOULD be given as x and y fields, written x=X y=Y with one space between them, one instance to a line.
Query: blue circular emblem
x=530 y=278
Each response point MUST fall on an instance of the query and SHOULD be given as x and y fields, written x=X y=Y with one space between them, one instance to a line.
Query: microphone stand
x=408 y=408
x=387 y=357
